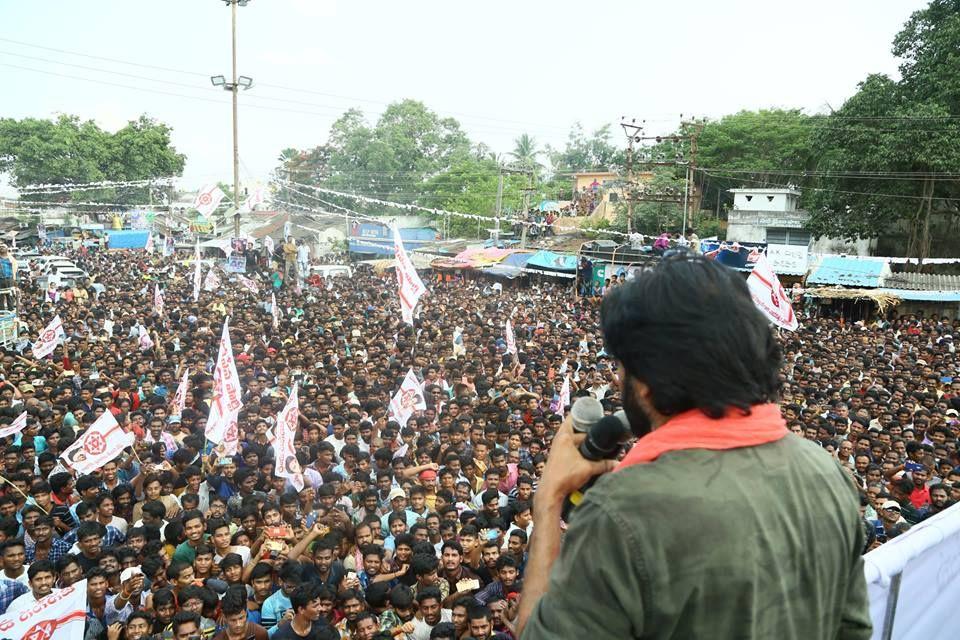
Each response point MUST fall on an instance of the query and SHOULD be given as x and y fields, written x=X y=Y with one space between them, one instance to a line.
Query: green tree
x=525 y=152
x=70 y=151
x=582 y=152
x=929 y=48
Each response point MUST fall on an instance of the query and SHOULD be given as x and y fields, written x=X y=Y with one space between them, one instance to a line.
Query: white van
x=331 y=270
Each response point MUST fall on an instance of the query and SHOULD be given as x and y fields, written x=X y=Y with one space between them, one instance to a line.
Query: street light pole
x=236 y=141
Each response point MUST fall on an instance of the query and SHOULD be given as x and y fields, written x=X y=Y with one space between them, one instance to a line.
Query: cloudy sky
x=501 y=68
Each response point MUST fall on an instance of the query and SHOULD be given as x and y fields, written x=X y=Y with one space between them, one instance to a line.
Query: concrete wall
x=839 y=246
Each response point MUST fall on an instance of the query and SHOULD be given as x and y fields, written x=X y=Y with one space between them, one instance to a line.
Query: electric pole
x=697 y=129
x=632 y=131
x=496 y=231
x=234 y=86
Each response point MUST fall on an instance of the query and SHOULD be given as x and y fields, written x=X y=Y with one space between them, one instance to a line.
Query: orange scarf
x=694 y=430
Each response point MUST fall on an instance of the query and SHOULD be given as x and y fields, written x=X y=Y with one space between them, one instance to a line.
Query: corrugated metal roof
x=922 y=282
x=849 y=272
x=923 y=296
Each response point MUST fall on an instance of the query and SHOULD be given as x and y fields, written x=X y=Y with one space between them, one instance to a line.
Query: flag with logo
x=50 y=337
x=225 y=406
x=158 y=299
x=61 y=615
x=145 y=341
x=212 y=281
x=248 y=283
x=268 y=245
x=149 y=246
x=208 y=199
x=98 y=445
x=408 y=280
x=563 y=399
x=255 y=197
x=14 y=427
x=769 y=296
x=511 y=339
x=168 y=247
x=180 y=399
x=409 y=398
x=274 y=311
x=287 y=464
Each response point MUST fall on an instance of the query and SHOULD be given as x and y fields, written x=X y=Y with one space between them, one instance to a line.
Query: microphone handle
x=575 y=498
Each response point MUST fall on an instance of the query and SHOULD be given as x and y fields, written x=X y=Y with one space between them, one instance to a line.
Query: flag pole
x=25 y=497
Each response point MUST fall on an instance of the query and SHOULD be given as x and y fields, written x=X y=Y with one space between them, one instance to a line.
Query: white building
x=773 y=216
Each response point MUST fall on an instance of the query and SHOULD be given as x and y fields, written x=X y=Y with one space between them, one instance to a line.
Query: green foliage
x=595 y=152
x=525 y=152
x=67 y=151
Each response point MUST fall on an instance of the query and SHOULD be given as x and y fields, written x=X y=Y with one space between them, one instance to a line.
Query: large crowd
x=412 y=531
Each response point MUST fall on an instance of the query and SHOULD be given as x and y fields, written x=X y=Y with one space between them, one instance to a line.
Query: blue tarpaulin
x=553 y=261
x=511 y=266
x=128 y=238
x=849 y=272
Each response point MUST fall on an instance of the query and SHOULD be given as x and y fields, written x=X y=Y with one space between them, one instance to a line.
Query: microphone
x=585 y=412
x=602 y=443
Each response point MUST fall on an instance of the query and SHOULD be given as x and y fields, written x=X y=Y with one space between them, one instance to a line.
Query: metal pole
x=630 y=186
x=890 y=612
x=496 y=232
x=236 y=144
x=686 y=193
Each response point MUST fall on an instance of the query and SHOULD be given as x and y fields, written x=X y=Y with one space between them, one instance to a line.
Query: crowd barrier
x=913 y=581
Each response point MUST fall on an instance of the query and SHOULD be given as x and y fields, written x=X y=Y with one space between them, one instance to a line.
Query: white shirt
x=338 y=443
x=240 y=550
x=22 y=578
x=421 y=630
x=25 y=601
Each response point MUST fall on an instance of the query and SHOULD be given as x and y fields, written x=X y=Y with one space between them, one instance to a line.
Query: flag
x=563 y=367
x=268 y=245
x=248 y=283
x=274 y=311
x=409 y=398
x=180 y=399
x=149 y=246
x=511 y=339
x=769 y=296
x=58 y=616
x=49 y=339
x=256 y=196
x=287 y=465
x=158 y=299
x=208 y=199
x=14 y=427
x=408 y=280
x=212 y=282
x=98 y=445
x=146 y=343
x=226 y=403
x=197 y=282
x=168 y=246
x=458 y=347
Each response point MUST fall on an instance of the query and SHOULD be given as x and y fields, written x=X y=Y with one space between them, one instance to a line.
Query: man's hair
x=234 y=600
x=40 y=566
x=428 y=593
x=181 y=618
x=690 y=331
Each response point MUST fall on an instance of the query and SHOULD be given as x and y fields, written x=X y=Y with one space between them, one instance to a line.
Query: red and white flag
x=410 y=285
x=58 y=616
x=49 y=339
x=208 y=199
x=146 y=343
x=197 y=274
x=256 y=196
x=248 y=283
x=98 y=445
x=15 y=427
x=274 y=311
x=564 y=400
x=212 y=281
x=409 y=398
x=269 y=245
x=180 y=399
x=511 y=339
x=226 y=403
x=286 y=453
x=158 y=299
x=770 y=297
x=149 y=246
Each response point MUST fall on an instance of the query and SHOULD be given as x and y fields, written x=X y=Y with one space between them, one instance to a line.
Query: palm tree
x=525 y=151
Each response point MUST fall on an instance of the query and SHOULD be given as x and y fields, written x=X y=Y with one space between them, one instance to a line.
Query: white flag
x=58 y=616
x=226 y=404
x=274 y=311
x=212 y=281
x=409 y=282
x=511 y=339
x=149 y=246
x=158 y=299
x=180 y=399
x=459 y=349
x=197 y=282
x=14 y=427
x=409 y=398
x=208 y=199
x=256 y=196
x=146 y=343
x=49 y=339
x=564 y=400
x=268 y=245
x=769 y=296
x=287 y=464
x=248 y=283
x=98 y=445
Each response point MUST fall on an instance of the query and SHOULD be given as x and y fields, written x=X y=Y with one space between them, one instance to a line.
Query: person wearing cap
x=891 y=520
x=397 y=498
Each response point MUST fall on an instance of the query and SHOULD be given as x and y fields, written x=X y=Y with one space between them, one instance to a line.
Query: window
x=749 y=198
x=792 y=237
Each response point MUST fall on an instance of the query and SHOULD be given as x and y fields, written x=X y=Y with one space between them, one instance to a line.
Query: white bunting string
x=52 y=187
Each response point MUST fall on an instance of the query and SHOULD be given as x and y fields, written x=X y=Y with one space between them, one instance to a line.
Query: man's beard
x=640 y=423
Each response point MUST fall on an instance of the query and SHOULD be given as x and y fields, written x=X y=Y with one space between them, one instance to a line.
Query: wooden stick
x=25 y=497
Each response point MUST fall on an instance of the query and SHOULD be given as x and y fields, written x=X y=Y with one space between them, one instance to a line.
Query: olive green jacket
x=757 y=542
